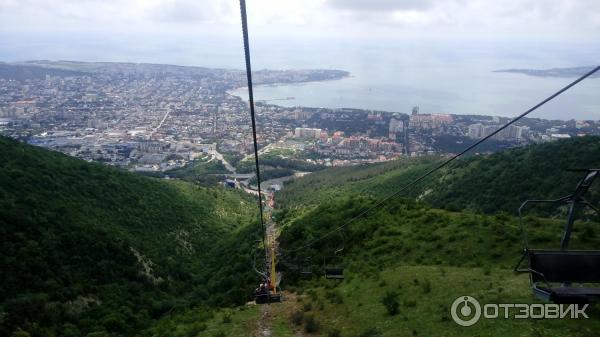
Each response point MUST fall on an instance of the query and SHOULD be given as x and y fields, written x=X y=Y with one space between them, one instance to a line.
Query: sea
x=456 y=79
x=438 y=75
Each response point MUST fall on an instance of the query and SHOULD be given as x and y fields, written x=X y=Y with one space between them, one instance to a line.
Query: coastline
x=277 y=84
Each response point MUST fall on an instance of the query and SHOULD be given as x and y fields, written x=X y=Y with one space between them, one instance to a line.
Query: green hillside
x=86 y=248
x=408 y=260
x=89 y=250
x=405 y=232
x=483 y=183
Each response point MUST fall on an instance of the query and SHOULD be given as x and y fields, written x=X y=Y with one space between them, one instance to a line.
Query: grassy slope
x=236 y=322
x=405 y=232
x=425 y=294
x=430 y=256
x=67 y=230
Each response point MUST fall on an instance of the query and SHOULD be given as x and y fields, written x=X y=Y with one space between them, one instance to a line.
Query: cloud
x=182 y=11
x=561 y=18
x=380 y=5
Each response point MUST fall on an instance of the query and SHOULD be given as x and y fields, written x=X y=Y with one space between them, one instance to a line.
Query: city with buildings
x=146 y=117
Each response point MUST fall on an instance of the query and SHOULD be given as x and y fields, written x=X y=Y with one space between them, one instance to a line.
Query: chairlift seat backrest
x=334 y=272
x=261 y=299
x=575 y=266
x=274 y=298
x=267 y=298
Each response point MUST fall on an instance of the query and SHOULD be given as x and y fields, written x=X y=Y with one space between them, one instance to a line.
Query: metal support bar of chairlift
x=564 y=242
x=273 y=269
x=575 y=199
x=332 y=269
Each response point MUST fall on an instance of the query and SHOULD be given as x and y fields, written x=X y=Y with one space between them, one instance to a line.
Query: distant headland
x=552 y=72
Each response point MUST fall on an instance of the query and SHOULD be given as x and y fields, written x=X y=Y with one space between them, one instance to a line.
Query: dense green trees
x=411 y=230
x=276 y=161
x=204 y=173
x=91 y=250
x=483 y=183
x=272 y=174
x=88 y=250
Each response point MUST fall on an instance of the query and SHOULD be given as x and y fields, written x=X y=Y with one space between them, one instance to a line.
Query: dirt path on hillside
x=290 y=306
x=263 y=325
x=278 y=313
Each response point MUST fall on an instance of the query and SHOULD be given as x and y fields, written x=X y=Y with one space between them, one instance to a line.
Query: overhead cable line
x=446 y=162
x=252 y=115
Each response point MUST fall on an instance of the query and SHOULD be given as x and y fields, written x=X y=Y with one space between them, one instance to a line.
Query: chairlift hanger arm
x=263 y=274
x=540 y=201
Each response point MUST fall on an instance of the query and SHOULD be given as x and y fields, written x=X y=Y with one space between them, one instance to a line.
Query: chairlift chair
x=306 y=270
x=554 y=273
x=261 y=298
x=334 y=273
x=268 y=298
x=275 y=297
x=333 y=270
x=264 y=295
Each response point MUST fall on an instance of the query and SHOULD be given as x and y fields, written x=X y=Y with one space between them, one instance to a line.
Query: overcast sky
x=168 y=30
x=564 y=19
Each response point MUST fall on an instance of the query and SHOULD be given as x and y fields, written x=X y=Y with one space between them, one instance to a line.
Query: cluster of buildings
x=339 y=145
x=512 y=132
x=139 y=121
x=310 y=133
x=533 y=130
x=17 y=108
x=156 y=118
x=142 y=117
x=356 y=133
